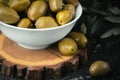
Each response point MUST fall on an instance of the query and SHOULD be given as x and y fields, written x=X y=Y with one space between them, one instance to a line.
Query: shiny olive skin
x=67 y=46
x=19 y=5
x=24 y=23
x=8 y=15
x=63 y=17
x=56 y=5
x=80 y=38
x=37 y=9
x=46 y=22
x=74 y=2
x=99 y=68
x=70 y=7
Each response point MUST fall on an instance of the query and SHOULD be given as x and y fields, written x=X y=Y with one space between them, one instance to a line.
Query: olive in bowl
x=38 y=38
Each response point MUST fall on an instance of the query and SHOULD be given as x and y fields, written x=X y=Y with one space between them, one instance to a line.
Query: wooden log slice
x=34 y=64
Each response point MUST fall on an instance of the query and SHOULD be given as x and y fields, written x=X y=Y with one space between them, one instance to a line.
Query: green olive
x=74 y=2
x=24 y=23
x=99 y=68
x=4 y=2
x=46 y=1
x=46 y=22
x=64 y=17
x=80 y=38
x=70 y=7
x=19 y=5
x=67 y=46
x=56 y=5
x=8 y=15
x=37 y=9
x=1 y=4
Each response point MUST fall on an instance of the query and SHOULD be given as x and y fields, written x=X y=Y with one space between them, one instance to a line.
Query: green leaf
x=91 y=20
x=114 y=31
x=98 y=12
x=83 y=28
x=114 y=10
x=96 y=26
x=114 y=19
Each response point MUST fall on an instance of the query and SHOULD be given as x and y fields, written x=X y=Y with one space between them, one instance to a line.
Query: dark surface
x=107 y=50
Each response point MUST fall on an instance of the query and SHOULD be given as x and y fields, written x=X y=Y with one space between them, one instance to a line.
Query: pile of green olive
x=37 y=13
x=71 y=44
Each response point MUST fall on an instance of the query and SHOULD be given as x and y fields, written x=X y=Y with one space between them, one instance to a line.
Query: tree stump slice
x=16 y=61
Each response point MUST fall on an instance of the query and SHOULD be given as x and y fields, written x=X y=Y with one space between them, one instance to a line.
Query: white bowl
x=39 y=38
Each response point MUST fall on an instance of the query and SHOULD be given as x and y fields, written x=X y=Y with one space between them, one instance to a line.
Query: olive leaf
x=90 y=22
x=96 y=27
x=114 y=31
x=101 y=16
x=114 y=19
x=98 y=5
x=114 y=10
x=100 y=26
x=83 y=28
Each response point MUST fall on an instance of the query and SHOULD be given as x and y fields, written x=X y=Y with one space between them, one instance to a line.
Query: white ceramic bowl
x=38 y=38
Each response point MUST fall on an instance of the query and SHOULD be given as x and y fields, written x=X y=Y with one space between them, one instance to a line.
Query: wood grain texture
x=35 y=64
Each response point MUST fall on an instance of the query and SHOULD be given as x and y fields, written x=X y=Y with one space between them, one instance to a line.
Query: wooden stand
x=36 y=64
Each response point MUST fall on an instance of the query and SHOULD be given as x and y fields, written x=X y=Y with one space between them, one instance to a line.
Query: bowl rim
x=43 y=29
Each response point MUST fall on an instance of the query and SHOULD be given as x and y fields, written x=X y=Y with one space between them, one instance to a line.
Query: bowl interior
x=77 y=16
